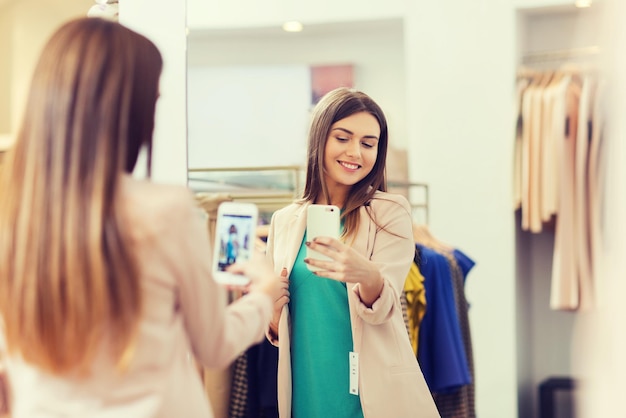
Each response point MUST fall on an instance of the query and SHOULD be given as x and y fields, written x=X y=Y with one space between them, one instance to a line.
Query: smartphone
x=321 y=221
x=235 y=233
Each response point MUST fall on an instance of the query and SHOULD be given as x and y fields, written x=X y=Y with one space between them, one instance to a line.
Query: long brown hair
x=69 y=280
x=334 y=106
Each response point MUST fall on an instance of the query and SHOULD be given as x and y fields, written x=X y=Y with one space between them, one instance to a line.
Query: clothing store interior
x=502 y=138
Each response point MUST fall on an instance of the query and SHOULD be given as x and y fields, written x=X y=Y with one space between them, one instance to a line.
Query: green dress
x=320 y=344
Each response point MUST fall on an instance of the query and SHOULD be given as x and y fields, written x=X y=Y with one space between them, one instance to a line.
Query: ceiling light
x=583 y=3
x=292 y=26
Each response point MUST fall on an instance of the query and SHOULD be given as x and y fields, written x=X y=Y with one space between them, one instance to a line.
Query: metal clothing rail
x=291 y=174
x=560 y=54
x=418 y=196
x=245 y=184
x=269 y=187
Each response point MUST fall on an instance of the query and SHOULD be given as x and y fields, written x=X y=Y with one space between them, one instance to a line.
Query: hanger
x=526 y=72
x=423 y=236
x=262 y=231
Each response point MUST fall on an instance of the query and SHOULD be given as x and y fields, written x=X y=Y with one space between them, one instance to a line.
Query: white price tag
x=354 y=373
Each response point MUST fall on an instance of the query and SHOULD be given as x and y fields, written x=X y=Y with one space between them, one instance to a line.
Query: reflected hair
x=69 y=280
x=332 y=107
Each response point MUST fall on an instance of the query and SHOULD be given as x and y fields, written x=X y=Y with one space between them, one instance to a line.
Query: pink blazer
x=391 y=383
x=185 y=316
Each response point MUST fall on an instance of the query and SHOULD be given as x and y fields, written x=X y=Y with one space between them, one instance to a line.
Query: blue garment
x=320 y=344
x=464 y=262
x=441 y=353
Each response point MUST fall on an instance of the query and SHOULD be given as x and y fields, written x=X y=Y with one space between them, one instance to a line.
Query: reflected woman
x=343 y=345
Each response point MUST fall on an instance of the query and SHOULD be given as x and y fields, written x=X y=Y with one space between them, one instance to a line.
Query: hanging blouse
x=416 y=303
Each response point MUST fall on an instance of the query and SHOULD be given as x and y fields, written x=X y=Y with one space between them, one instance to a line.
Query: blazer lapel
x=295 y=232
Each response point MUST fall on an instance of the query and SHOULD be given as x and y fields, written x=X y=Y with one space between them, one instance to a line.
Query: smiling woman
x=343 y=319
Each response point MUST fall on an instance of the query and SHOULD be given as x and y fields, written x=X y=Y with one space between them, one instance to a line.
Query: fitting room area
x=450 y=76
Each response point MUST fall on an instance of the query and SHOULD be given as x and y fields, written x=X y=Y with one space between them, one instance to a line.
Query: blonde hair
x=69 y=280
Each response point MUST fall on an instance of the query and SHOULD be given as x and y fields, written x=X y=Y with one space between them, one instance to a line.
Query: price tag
x=354 y=373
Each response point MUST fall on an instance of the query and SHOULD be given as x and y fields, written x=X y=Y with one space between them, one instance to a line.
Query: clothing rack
x=273 y=187
x=418 y=196
x=560 y=54
x=270 y=188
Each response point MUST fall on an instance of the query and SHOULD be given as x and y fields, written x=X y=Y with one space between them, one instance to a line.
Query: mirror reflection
x=386 y=59
x=260 y=87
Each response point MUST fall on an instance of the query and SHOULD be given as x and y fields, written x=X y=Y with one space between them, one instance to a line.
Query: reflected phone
x=321 y=221
x=235 y=234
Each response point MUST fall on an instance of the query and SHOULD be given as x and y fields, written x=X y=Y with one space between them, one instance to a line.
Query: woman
x=105 y=283
x=343 y=346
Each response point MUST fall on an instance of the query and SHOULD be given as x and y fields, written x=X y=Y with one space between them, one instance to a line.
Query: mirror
x=250 y=93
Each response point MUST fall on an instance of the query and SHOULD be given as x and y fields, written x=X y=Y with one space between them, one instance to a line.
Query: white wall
x=247 y=116
x=375 y=49
x=164 y=22
x=249 y=13
x=29 y=23
x=6 y=52
x=460 y=66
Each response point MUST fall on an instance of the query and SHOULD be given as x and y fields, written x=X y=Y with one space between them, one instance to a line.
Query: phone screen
x=235 y=237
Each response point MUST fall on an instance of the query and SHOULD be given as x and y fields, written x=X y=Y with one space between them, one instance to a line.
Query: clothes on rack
x=415 y=299
x=438 y=322
x=254 y=390
x=254 y=383
x=216 y=382
x=558 y=173
x=248 y=388
x=460 y=404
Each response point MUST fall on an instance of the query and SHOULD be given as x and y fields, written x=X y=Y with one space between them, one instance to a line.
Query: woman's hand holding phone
x=235 y=239
x=346 y=265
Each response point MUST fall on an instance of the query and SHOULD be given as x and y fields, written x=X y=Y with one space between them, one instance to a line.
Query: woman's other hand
x=282 y=300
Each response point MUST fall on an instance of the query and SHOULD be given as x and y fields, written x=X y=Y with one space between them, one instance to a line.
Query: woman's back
x=183 y=314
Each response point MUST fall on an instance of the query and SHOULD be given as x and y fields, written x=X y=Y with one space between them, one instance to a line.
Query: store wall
x=29 y=24
x=460 y=68
x=374 y=49
x=216 y=14
x=6 y=51
x=164 y=22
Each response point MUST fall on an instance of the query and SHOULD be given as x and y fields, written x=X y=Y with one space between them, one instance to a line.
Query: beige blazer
x=185 y=316
x=391 y=383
